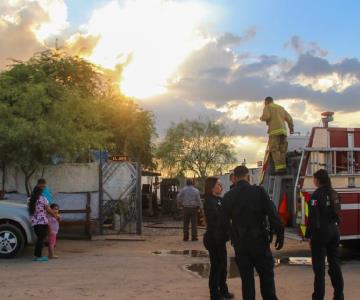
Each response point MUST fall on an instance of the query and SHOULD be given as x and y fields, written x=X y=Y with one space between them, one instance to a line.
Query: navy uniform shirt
x=324 y=207
x=245 y=210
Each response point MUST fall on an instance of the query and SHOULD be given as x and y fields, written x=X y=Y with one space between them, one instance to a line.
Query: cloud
x=194 y=73
x=146 y=34
x=81 y=44
x=235 y=87
x=230 y=39
x=250 y=148
x=173 y=109
x=300 y=47
x=25 y=27
x=217 y=74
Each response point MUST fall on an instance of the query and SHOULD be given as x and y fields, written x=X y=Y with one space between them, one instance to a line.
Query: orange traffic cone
x=283 y=211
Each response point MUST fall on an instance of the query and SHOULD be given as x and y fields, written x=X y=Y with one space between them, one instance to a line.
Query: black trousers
x=263 y=263
x=327 y=246
x=190 y=214
x=218 y=267
x=41 y=232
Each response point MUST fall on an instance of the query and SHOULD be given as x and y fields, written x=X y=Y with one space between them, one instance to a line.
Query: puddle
x=295 y=261
x=191 y=253
x=202 y=270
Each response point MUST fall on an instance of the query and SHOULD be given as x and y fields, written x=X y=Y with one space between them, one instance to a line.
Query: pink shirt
x=54 y=224
x=40 y=215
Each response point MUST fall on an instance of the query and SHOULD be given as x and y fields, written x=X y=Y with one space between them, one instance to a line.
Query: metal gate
x=120 y=206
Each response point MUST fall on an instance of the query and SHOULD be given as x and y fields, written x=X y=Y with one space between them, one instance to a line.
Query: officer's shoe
x=215 y=295
x=227 y=295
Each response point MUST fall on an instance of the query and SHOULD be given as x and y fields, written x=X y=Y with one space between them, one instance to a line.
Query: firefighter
x=244 y=212
x=324 y=235
x=275 y=117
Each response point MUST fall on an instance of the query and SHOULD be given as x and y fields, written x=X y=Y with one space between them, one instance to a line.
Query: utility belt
x=255 y=234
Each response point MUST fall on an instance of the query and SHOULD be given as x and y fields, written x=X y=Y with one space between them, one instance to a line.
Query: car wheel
x=12 y=241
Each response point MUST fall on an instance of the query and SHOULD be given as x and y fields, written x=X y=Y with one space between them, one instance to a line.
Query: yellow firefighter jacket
x=275 y=117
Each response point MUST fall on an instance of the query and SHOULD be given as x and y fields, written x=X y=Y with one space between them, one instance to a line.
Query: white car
x=15 y=228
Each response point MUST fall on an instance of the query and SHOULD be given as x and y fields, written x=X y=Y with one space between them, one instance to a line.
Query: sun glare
x=151 y=37
x=56 y=23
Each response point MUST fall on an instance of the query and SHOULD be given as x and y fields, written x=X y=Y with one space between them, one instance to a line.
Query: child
x=53 y=230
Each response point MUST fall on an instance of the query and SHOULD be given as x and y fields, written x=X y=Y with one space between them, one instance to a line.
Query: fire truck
x=335 y=149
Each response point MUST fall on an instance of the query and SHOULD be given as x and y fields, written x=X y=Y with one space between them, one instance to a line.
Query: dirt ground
x=130 y=270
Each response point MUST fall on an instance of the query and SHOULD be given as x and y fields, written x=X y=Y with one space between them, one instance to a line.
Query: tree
x=48 y=108
x=199 y=147
x=131 y=129
x=60 y=105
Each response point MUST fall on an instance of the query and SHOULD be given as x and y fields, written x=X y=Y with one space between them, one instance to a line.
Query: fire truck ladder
x=273 y=184
x=274 y=187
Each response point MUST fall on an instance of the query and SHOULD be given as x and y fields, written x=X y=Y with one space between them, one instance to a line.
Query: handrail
x=297 y=181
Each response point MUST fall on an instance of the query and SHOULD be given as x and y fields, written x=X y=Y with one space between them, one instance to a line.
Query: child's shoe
x=43 y=258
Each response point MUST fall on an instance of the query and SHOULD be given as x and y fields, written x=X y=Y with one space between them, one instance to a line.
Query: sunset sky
x=209 y=59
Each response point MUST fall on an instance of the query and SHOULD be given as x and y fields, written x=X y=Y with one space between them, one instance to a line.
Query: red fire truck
x=335 y=149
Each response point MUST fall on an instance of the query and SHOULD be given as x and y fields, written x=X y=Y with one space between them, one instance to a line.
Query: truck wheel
x=12 y=241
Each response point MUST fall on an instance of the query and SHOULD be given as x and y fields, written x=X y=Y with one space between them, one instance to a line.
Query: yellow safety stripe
x=303 y=230
x=280 y=131
x=279 y=167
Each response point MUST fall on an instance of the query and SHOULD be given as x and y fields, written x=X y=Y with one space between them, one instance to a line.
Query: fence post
x=138 y=200
x=101 y=195
x=88 y=216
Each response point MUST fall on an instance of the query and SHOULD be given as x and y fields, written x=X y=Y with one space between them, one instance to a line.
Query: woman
x=38 y=210
x=323 y=231
x=217 y=252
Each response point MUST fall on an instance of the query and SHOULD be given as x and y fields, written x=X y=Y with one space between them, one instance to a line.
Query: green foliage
x=199 y=147
x=61 y=105
x=131 y=128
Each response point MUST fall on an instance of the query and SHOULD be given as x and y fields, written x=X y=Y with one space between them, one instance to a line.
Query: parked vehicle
x=336 y=150
x=15 y=229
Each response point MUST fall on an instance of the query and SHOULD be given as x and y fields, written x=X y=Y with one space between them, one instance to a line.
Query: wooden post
x=88 y=215
x=138 y=200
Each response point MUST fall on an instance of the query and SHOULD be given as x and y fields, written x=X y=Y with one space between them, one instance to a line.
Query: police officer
x=245 y=210
x=323 y=231
x=232 y=180
x=217 y=251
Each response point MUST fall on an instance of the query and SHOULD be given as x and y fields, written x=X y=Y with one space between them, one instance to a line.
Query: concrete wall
x=64 y=178
x=69 y=184
x=66 y=202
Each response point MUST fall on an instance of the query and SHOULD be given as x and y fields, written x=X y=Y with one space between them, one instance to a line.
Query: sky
x=215 y=59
